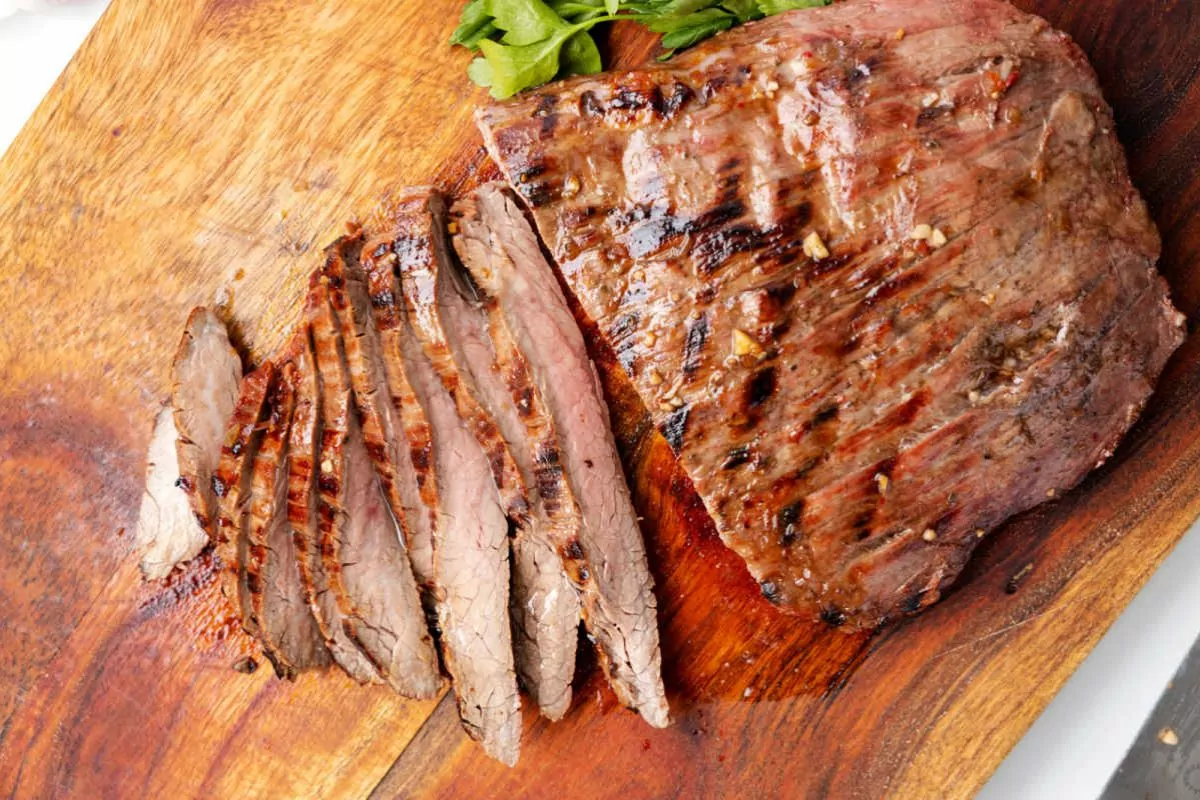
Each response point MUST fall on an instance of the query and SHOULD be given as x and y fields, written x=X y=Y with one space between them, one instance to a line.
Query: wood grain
x=205 y=146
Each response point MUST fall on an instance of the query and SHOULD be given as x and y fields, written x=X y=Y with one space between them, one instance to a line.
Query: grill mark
x=674 y=427
x=384 y=299
x=928 y=115
x=693 y=346
x=833 y=616
x=648 y=229
x=761 y=387
x=825 y=413
x=736 y=457
x=680 y=95
x=590 y=105
x=825 y=388
x=860 y=526
x=788 y=521
x=714 y=249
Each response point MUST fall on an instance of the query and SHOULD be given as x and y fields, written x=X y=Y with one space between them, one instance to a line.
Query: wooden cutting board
x=202 y=146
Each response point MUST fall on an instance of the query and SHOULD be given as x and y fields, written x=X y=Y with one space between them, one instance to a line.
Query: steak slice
x=314 y=478
x=168 y=532
x=608 y=558
x=544 y=604
x=268 y=483
x=382 y=427
x=420 y=502
x=361 y=546
x=422 y=251
x=286 y=626
x=471 y=562
x=231 y=487
x=289 y=624
x=205 y=375
x=872 y=288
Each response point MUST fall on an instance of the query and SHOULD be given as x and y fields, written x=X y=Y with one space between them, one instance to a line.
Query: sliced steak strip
x=168 y=532
x=231 y=486
x=309 y=516
x=420 y=502
x=286 y=626
x=205 y=376
x=608 y=559
x=471 y=562
x=289 y=623
x=362 y=547
x=267 y=500
x=830 y=258
x=545 y=604
x=388 y=622
x=370 y=376
x=422 y=252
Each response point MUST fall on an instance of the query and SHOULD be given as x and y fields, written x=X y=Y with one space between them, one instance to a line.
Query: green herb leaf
x=517 y=67
x=524 y=21
x=684 y=30
x=474 y=24
x=686 y=37
x=578 y=10
x=679 y=8
x=744 y=10
x=772 y=7
x=580 y=56
x=480 y=72
x=543 y=39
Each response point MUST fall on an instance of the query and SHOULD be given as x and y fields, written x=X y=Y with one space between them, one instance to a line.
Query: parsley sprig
x=525 y=43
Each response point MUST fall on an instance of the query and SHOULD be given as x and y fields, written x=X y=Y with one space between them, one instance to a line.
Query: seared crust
x=231 y=487
x=371 y=374
x=864 y=283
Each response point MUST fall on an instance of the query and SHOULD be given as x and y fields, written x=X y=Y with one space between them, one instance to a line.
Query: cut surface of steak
x=231 y=486
x=361 y=544
x=471 y=564
x=423 y=251
x=420 y=501
x=168 y=532
x=607 y=560
x=387 y=622
x=205 y=375
x=323 y=580
x=544 y=604
x=879 y=292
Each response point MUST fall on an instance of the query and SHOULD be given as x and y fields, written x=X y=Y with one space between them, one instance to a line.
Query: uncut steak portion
x=877 y=271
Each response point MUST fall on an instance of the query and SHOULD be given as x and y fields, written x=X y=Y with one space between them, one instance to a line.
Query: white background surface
x=1072 y=748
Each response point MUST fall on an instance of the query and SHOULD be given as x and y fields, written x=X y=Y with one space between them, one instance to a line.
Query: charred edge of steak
x=266 y=472
x=231 y=482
